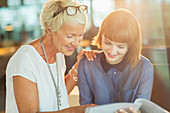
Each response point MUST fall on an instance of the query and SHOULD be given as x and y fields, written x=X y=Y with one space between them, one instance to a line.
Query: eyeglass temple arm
x=56 y=13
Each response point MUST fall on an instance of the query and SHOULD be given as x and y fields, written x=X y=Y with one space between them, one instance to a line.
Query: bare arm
x=76 y=109
x=69 y=81
x=26 y=95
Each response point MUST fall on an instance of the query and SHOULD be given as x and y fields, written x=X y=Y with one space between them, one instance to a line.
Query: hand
x=75 y=109
x=129 y=110
x=81 y=109
x=90 y=54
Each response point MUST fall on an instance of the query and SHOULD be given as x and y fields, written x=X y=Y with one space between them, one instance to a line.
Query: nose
x=75 y=42
x=113 y=50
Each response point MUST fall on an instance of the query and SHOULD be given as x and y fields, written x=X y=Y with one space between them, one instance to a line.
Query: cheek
x=59 y=43
x=81 y=38
x=62 y=41
x=105 y=47
x=123 y=52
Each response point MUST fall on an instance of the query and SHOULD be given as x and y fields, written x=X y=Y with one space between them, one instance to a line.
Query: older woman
x=35 y=74
x=119 y=73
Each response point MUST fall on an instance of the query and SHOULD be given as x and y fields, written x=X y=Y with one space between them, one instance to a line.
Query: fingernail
x=89 y=59
x=92 y=59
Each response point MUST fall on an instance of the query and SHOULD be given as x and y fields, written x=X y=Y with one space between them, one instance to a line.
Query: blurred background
x=19 y=24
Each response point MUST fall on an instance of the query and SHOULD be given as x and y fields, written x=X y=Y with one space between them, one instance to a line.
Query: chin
x=68 y=53
x=111 y=62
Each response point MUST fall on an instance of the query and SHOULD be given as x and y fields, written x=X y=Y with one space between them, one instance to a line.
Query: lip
x=111 y=56
x=70 y=48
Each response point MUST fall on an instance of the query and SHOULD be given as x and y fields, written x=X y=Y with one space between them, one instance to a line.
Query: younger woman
x=119 y=73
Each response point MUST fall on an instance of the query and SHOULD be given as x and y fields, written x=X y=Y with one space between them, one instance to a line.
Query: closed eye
x=121 y=46
x=69 y=36
x=80 y=35
x=107 y=43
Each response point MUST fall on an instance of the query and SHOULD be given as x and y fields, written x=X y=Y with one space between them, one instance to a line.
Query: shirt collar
x=106 y=66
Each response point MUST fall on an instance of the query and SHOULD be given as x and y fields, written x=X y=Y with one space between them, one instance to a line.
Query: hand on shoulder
x=90 y=54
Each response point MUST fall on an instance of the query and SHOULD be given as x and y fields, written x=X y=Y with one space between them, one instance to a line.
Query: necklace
x=58 y=92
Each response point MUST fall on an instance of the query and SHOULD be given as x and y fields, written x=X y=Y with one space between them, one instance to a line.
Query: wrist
x=74 y=69
x=76 y=65
x=73 y=73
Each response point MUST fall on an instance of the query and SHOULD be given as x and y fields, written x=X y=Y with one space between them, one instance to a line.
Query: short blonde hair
x=55 y=23
x=122 y=26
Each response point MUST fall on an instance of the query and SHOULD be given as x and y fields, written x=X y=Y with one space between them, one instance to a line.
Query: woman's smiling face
x=114 y=51
x=68 y=37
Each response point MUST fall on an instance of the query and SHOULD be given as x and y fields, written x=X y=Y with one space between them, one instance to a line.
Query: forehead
x=73 y=28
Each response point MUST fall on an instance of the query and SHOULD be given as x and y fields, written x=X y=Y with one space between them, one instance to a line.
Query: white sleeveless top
x=27 y=63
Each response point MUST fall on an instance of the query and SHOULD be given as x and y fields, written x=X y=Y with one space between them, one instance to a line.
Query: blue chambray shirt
x=101 y=83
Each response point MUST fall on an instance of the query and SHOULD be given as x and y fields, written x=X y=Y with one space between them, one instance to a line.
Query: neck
x=49 y=47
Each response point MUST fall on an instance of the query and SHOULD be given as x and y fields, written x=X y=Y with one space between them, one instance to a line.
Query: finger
x=87 y=55
x=81 y=54
x=94 y=105
x=94 y=54
x=132 y=110
x=138 y=111
x=91 y=55
x=122 y=111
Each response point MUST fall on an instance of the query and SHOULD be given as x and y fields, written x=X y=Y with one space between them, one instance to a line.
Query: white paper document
x=144 y=105
x=111 y=108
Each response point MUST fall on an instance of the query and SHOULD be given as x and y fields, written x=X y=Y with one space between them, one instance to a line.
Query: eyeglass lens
x=83 y=9
x=73 y=10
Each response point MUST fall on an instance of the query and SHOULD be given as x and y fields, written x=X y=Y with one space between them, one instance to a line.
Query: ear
x=47 y=29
